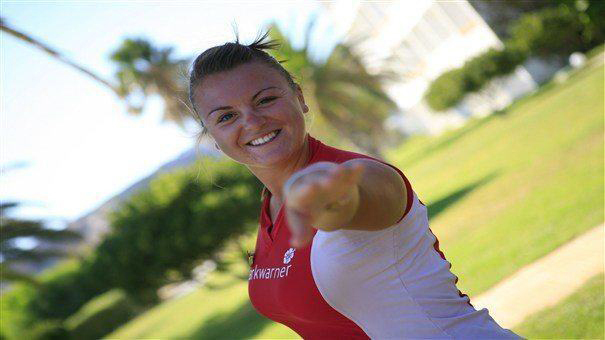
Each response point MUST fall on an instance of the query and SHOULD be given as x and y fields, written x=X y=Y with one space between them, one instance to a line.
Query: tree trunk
x=52 y=52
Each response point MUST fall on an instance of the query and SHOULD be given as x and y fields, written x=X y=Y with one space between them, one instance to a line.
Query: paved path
x=546 y=281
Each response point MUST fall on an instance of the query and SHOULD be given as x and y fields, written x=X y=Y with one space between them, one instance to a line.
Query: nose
x=253 y=119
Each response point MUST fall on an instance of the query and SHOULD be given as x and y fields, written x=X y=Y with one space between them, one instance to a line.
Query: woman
x=343 y=249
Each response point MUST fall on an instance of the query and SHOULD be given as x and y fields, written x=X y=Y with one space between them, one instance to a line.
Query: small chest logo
x=288 y=255
x=273 y=272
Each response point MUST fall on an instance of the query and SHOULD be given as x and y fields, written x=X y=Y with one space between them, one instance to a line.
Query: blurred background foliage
x=190 y=215
x=144 y=70
x=12 y=254
x=554 y=30
x=158 y=236
x=341 y=93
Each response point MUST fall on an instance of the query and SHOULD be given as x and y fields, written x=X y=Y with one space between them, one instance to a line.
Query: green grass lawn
x=507 y=189
x=220 y=310
x=580 y=316
x=502 y=191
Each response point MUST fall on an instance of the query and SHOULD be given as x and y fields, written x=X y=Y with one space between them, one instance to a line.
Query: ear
x=301 y=99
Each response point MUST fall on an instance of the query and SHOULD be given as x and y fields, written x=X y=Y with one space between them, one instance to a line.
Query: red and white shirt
x=357 y=284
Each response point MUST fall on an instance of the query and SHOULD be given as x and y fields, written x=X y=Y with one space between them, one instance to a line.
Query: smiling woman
x=244 y=108
x=343 y=249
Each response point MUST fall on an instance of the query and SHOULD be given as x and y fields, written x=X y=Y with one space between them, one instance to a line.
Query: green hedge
x=447 y=90
x=46 y=330
x=37 y=312
x=451 y=87
x=101 y=315
x=557 y=31
x=550 y=32
x=162 y=233
x=158 y=236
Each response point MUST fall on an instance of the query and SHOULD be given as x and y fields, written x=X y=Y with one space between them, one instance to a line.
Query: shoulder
x=375 y=169
x=328 y=153
x=376 y=165
x=323 y=152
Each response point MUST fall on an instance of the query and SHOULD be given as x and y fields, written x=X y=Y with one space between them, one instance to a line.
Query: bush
x=162 y=233
x=63 y=291
x=14 y=313
x=38 y=310
x=556 y=31
x=451 y=87
x=446 y=90
x=46 y=330
x=101 y=315
x=157 y=236
x=478 y=71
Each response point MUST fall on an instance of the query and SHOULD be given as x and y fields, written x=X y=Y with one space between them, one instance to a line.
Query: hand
x=314 y=191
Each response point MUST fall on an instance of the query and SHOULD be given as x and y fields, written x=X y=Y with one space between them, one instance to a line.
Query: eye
x=225 y=117
x=266 y=100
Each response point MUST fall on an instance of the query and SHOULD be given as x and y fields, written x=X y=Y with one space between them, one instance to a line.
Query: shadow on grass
x=437 y=207
x=243 y=323
x=233 y=280
x=221 y=286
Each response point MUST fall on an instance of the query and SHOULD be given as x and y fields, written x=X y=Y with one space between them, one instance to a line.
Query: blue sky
x=79 y=144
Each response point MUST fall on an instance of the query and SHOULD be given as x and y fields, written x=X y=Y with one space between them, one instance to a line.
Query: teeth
x=264 y=139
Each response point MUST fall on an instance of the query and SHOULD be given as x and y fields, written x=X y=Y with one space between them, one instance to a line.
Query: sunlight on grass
x=219 y=310
x=540 y=165
x=580 y=316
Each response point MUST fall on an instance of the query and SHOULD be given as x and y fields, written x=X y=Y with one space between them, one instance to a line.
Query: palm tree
x=350 y=101
x=141 y=67
x=341 y=90
x=10 y=254
x=54 y=53
x=144 y=69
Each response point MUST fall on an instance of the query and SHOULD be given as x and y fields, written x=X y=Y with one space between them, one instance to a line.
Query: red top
x=281 y=285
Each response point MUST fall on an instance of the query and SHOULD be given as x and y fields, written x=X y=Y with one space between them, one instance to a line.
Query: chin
x=272 y=159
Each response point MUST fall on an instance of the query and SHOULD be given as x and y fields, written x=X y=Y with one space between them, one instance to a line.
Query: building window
x=438 y=22
x=424 y=37
x=407 y=56
x=459 y=14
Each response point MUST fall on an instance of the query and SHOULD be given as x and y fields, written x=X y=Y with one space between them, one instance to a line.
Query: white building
x=420 y=40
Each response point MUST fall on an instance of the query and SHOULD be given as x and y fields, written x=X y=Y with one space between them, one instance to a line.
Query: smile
x=265 y=139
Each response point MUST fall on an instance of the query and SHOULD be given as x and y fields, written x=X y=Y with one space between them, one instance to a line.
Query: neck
x=275 y=177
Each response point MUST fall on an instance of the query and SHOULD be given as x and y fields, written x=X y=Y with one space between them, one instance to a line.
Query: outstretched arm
x=360 y=194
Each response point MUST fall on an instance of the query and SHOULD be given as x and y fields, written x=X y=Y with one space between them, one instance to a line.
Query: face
x=253 y=114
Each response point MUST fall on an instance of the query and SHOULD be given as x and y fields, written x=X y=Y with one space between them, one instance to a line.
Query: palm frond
x=14 y=254
x=145 y=70
x=54 y=53
x=13 y=228
x=309 y=33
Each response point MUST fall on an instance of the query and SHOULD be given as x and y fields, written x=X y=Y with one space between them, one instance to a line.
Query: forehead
x=237 y=84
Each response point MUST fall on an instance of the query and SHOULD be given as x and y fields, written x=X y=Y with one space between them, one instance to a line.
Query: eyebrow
x=230 y=107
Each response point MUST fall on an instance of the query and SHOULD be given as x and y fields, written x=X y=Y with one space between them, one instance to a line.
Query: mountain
x=94 y=224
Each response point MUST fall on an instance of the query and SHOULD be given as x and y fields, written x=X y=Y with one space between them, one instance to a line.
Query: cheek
x=293 y=114
x=226 y=137
x=216 y=138
x=300 y=121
